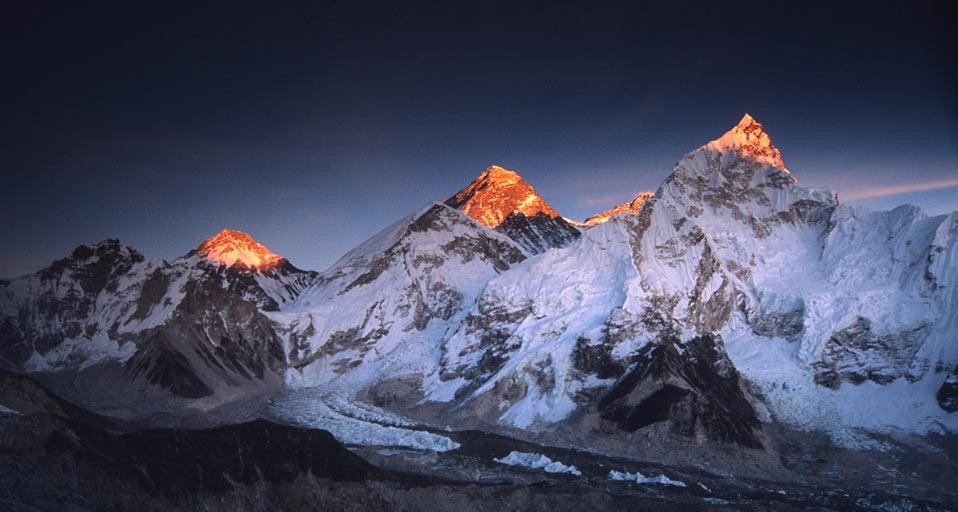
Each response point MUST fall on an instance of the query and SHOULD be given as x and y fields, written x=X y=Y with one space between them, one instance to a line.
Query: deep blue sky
x=314 y=126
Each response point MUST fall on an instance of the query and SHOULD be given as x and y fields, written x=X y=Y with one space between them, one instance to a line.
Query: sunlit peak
x=498 y=193
x=749 y=139
x=231 y=248
x=632 y=206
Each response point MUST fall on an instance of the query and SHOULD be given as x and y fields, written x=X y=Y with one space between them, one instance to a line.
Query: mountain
x=692 y=388
x=237 y=249
x=192 y=328
x=779 y=279
x=632 y=206
x=500 y=199
x=824 y=308
x=249 y=268
x=734 y=311
x=383 y=309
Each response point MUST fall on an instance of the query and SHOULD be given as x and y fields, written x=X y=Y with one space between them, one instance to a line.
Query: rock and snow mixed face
x=190 y=326
x=384 y=308
x=500 y=199
x=629 y=207
x=78 y=311
x=810 y=297
x=496 y=307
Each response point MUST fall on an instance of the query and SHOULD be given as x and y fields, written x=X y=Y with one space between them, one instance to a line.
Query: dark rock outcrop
x=539 y=232
x=689 y=389
x=214 y=340
x=948 y=392
x=856 y=354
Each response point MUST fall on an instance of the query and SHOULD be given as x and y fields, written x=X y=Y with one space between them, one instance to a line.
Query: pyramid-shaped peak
x=747 y=120
x=497 y=172
x=498 y=193
x=231 y=247
x=749 y=139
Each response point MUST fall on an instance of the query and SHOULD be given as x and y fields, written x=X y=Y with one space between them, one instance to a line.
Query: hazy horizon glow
x=900 y=189
x=313 y=128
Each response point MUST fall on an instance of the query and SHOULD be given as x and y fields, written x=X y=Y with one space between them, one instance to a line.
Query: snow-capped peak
x=498 y=193
x=749 y=138
x=231 y=247
x=632 y=206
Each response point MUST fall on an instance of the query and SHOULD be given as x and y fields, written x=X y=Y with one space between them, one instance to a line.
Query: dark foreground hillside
x=58 y=457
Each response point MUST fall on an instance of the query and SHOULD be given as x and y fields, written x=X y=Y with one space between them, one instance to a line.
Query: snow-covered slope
x=732 y=288
x=193 y=326
x=79 y=310
x=824 y=307
x=383 y=309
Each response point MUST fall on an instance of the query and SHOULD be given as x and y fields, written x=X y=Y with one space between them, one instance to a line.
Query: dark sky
x=312 y=126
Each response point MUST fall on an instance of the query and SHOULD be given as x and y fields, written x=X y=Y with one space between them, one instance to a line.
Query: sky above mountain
x=313 y=126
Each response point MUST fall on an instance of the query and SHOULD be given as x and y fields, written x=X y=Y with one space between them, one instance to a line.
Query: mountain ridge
x=528 y=323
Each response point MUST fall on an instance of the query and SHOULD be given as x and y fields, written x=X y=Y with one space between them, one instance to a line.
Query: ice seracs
x=231 y=247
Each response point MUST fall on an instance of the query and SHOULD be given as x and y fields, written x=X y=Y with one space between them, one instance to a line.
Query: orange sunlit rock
x=231 y=248
x=629 y=206
x=496 y=194
x=749 y=139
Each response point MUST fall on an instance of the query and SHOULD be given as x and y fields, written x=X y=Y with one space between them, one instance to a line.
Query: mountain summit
x=749 y=139
x=231 y=248
x=500 y=199
x=498 y=193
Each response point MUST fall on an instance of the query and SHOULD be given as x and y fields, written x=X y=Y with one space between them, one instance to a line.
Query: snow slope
x=842 y=306
x=490 y=306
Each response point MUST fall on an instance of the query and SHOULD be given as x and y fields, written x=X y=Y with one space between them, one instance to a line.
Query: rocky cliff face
x=690 y=389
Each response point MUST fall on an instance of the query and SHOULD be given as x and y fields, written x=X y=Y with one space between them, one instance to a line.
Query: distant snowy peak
x=498 y=193
x=110 y=251
x=500 y=199
x=234 y=259
x=235 y=248
x=740 y=177
x=749 y=139
x=632 y=206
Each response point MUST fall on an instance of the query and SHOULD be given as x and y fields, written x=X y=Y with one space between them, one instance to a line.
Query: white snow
x=353 y=423
x=537 y=461
x=639 y=478
x=403 y=305
x=895 y=269
x=7 y=410
x=80 y=353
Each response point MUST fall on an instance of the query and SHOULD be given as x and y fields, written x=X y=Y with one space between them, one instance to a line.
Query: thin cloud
x=902 y=188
